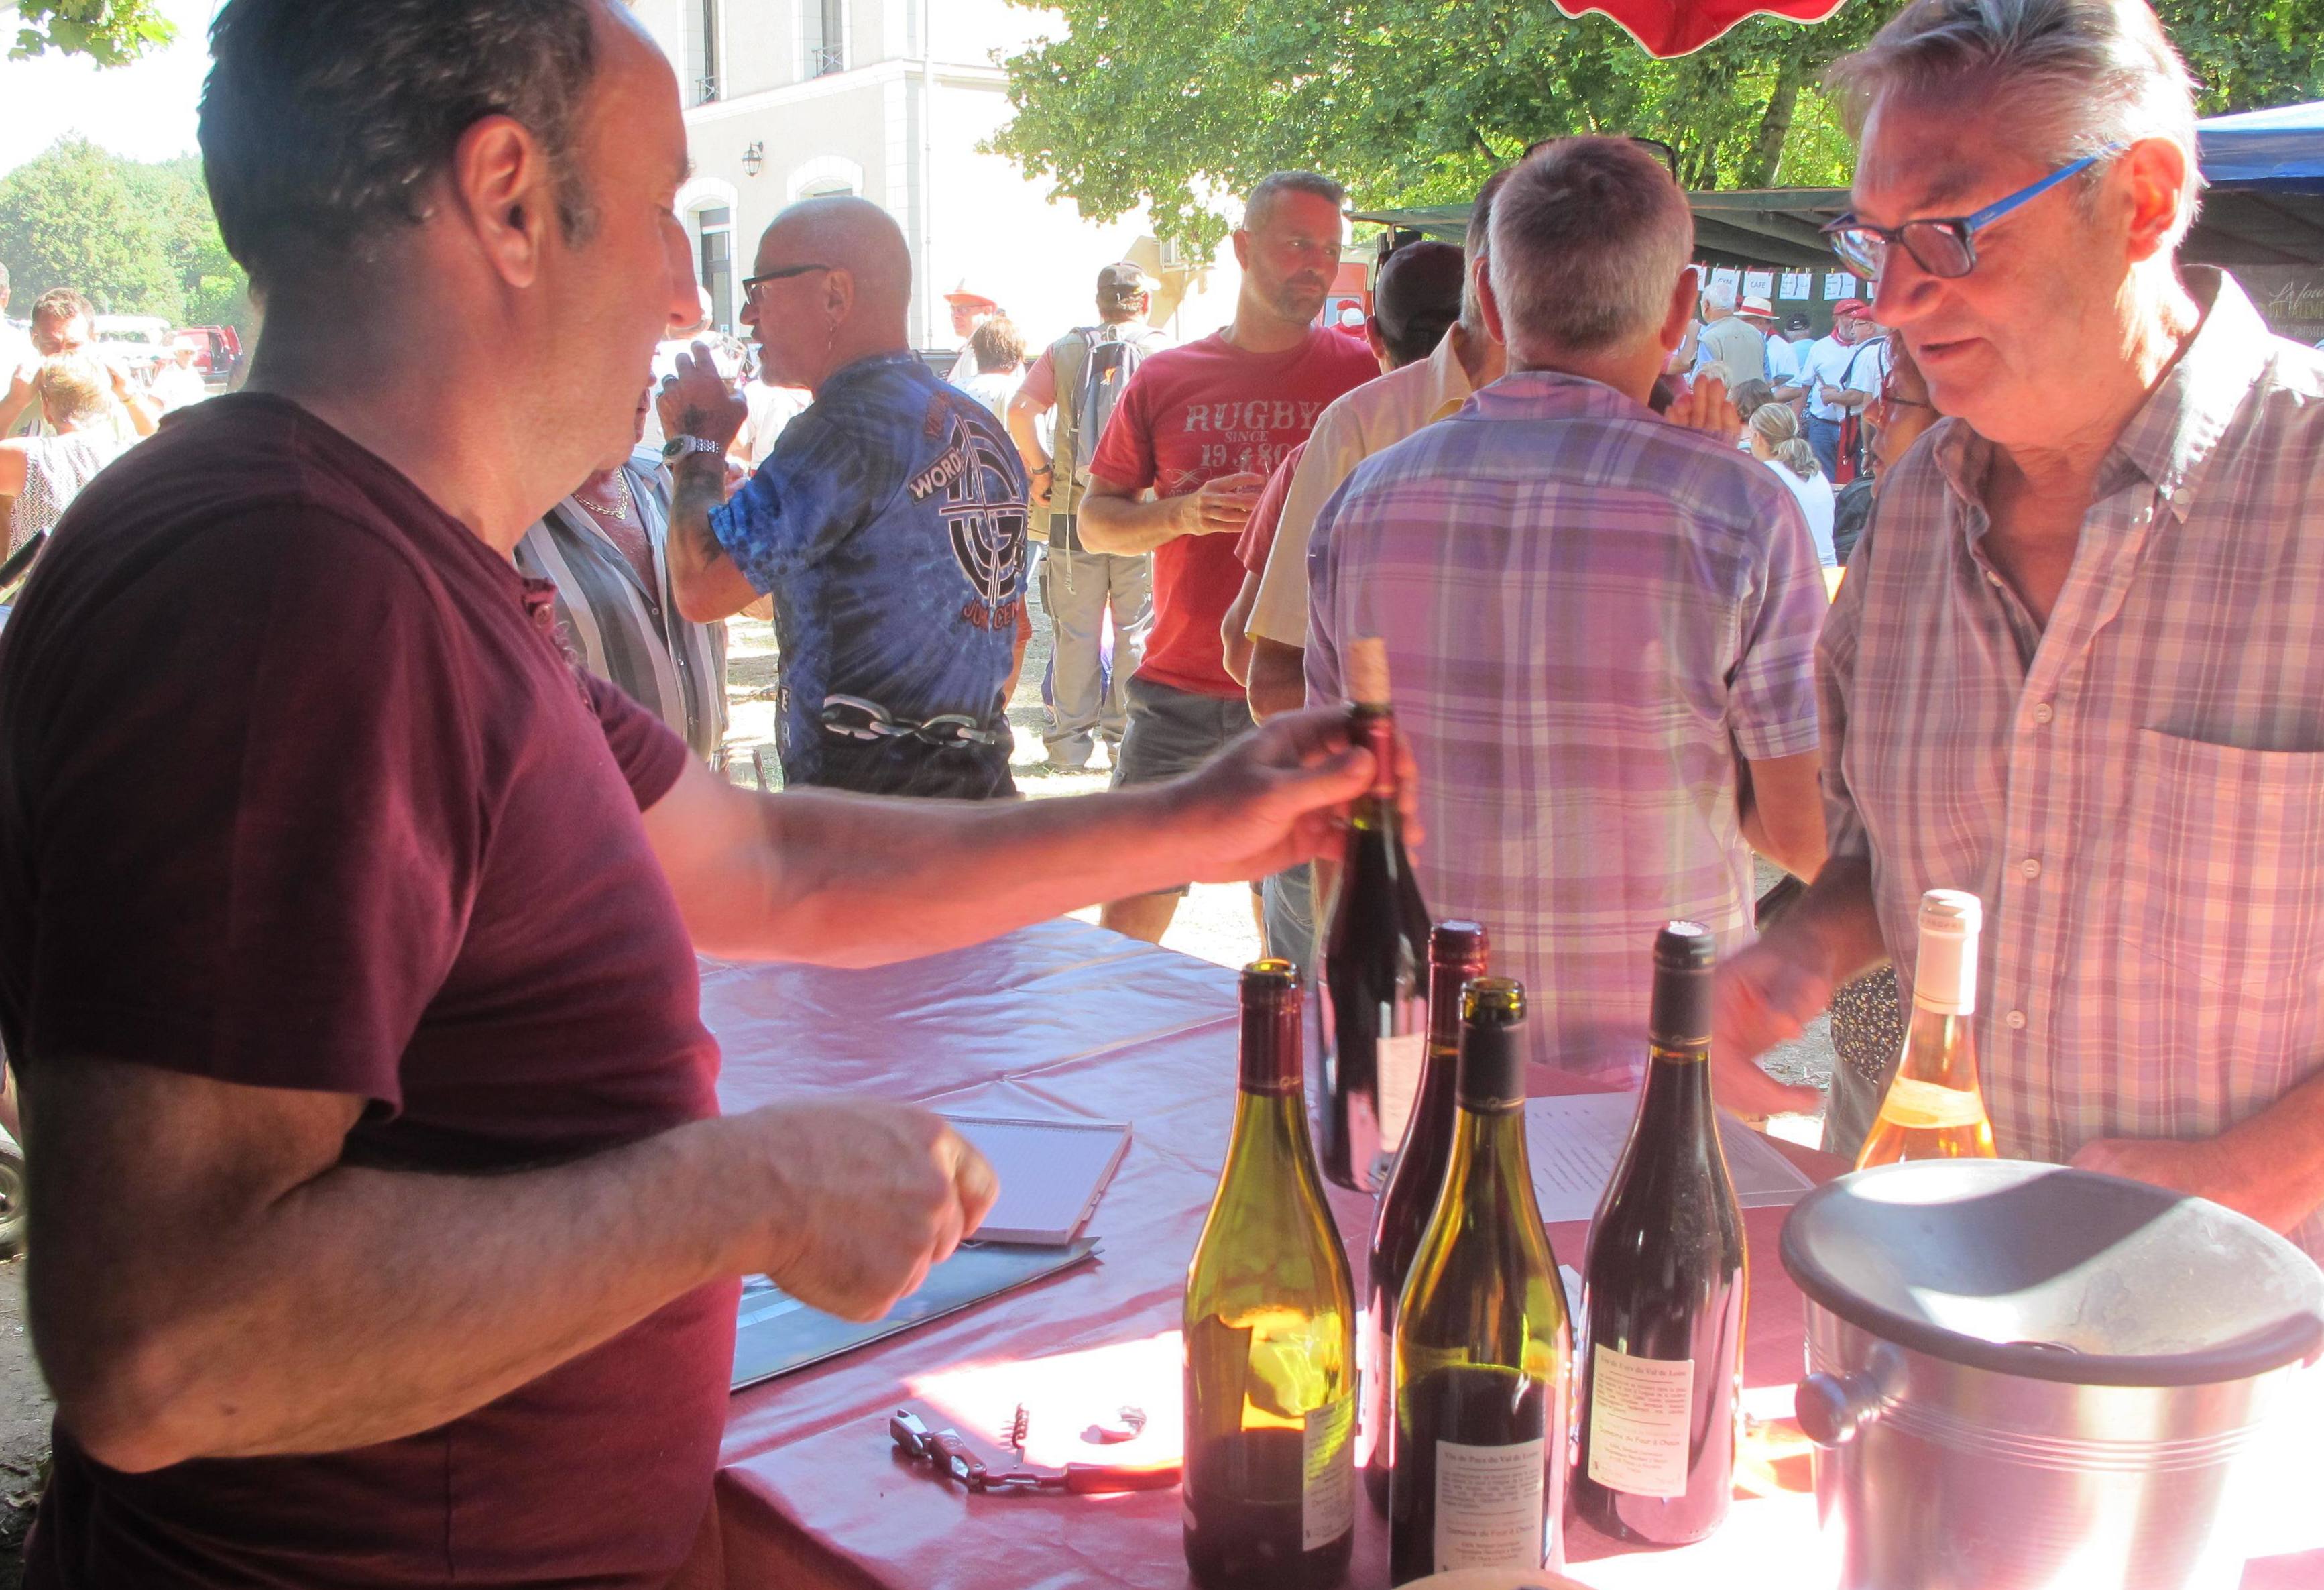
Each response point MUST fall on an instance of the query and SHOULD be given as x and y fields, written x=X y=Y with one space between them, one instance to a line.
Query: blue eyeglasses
x=1946 y=247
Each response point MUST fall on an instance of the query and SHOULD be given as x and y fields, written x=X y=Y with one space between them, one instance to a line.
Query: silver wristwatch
x=678 y=446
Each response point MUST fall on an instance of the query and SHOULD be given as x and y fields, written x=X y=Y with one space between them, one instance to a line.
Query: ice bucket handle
x=1832 y=1408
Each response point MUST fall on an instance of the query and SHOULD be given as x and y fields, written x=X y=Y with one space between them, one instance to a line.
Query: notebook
x=1052 y=1174
x=775 y=1333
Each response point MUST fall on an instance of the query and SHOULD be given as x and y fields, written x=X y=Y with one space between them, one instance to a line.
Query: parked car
x=135 y=342
x=217 y=349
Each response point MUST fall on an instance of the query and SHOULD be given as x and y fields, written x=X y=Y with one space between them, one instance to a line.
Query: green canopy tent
x=2269 y=230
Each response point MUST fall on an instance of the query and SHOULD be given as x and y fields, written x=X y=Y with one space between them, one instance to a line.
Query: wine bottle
x=1270 y=1335
x=1660 y=1356
x=1482 y=1346
x=1374 y=950
x=1935 y=1109
x=1456 y=954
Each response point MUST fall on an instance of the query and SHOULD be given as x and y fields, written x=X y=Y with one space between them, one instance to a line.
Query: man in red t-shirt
x=389 y=1234
x=1200 y=427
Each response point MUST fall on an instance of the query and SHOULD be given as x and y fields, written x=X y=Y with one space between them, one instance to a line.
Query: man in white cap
x=1760 y=312
x=1728 y=340
x=969 y=309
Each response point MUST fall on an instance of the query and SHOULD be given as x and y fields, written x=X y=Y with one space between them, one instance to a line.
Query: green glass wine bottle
x=1483 y=1349
x=1457 y=954
x=1270 y=1335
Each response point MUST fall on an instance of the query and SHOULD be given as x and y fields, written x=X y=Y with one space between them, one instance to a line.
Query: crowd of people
x=67 y=412
x=430 y=650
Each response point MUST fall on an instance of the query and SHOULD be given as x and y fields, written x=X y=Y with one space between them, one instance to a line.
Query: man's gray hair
x=1275 y=184
x=1589 y=237
x=2076 y=76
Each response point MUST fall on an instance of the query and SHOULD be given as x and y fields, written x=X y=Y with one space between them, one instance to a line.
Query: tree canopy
x=111 y=33
x=138 y=237
x=1173 y=104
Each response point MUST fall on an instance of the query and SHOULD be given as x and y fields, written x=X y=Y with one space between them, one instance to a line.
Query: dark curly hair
x=324 y=121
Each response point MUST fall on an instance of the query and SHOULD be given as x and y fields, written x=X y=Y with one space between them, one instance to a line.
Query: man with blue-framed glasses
x=2078 y=663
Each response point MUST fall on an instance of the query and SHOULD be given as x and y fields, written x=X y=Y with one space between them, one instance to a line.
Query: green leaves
x=1180 y=104
x=138 y=238
x=111 y=33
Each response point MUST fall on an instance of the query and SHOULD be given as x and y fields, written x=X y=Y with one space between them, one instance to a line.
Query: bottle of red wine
x=1482 y=1347
x=1662 y=1292
x=1269 y=1487
x=1374 y=950
x=1456 y=955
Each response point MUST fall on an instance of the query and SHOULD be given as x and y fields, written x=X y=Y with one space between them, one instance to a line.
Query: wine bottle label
x=1398 y=1061
x=1371 y=1387
x=1489 y=1506
x=1639 y=1418
x=1327 y=1491
x=1924 y=1106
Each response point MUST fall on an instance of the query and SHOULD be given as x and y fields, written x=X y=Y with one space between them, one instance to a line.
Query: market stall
x=2263 y=217
x=1066 y=1021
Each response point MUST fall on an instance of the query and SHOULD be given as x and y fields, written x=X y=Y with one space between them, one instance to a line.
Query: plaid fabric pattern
x=2137 y=792
x=1590 y=613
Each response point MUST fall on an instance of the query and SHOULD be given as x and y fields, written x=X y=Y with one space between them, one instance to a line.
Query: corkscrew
x=954 y=1461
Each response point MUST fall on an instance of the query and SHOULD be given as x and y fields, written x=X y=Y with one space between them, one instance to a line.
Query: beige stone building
x=889 y=99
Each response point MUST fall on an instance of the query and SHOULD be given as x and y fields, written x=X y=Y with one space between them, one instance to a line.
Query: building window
x=702 y=53
x=716 y=227
x=827 y=176
x=827 y=36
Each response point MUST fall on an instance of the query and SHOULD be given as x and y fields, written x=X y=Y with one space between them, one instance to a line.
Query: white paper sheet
x=1574 y=1141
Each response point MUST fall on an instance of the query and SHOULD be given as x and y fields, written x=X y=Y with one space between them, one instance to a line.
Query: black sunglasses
x=751 y=283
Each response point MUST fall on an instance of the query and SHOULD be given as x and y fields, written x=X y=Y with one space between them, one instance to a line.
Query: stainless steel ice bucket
x=2022 y=1377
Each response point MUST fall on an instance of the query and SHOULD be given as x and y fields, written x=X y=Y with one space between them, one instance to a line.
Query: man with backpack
x=1079 y=377
x=1838 y=375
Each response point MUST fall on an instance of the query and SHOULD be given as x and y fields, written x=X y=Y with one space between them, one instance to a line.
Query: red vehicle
x=217 y=349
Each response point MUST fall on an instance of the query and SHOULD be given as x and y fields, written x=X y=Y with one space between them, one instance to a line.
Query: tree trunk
x=1775 y=126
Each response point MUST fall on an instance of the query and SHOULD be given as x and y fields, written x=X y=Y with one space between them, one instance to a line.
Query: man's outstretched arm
x=835 y=879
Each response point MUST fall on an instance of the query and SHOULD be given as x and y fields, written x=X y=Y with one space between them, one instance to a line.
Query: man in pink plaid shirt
x=1600 y=624
x=2078 y=664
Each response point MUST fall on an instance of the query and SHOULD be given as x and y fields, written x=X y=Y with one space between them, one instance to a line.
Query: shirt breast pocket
x=2223 y=863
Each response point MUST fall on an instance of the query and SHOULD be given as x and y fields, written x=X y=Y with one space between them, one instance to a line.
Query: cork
x=1944 y=977
x=1367 y=671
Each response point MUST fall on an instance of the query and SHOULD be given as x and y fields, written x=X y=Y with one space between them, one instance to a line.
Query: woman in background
x=1776 y=442
x=43 y=474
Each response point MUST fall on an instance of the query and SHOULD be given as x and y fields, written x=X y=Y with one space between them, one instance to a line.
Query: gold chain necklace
x=628 y=510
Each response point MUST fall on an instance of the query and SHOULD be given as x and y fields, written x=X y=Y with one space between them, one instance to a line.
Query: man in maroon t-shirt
x=1200 y=427
x=388 y=1232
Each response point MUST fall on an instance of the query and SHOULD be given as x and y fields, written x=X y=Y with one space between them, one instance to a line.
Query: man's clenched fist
x=867 y=1196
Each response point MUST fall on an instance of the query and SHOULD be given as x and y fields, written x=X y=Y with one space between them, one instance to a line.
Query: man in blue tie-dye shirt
x=888 y=523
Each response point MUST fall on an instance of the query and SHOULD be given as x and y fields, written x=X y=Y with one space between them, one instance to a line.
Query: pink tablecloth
x=1065 y=1020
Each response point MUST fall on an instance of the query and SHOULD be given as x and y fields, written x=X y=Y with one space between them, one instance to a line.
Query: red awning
x=1681 y=27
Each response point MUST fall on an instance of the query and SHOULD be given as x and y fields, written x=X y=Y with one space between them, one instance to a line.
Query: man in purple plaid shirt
x=2078 y=664
x=1600 y=625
